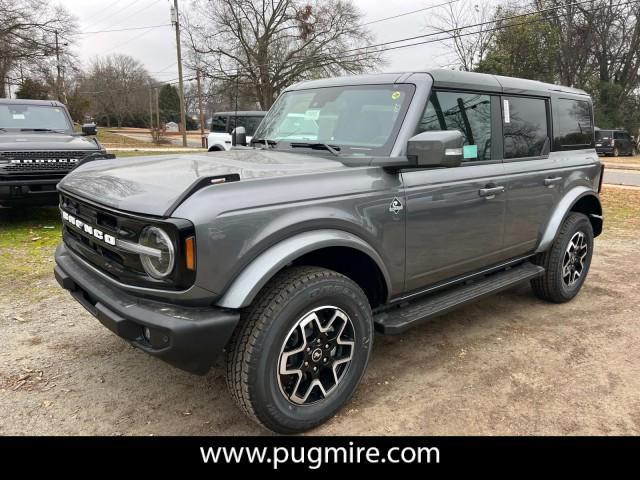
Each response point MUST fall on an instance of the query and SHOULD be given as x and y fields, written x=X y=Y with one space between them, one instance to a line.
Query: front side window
x=219 y=124
x=359 y=119
x=574 y=126
x=524 y=127
x=470 y=113
x=618 y=135
x=33 y=118
x=250 y=124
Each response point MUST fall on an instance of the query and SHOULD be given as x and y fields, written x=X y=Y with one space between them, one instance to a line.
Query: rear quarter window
x=573 y=125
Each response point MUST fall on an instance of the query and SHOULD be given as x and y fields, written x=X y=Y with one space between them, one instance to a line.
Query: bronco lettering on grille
x=89 y=229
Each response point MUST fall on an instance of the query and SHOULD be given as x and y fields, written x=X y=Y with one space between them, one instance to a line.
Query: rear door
x=534 y=179
x=455 y=216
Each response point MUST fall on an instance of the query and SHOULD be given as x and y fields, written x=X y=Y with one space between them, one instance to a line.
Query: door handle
x=490 y=192
x=549 y=182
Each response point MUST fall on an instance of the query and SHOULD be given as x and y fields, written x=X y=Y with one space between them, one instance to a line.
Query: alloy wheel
x=316 y=355
x=574 y=259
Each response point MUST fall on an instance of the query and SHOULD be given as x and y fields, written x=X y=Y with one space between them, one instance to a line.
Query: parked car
x=614 y=143
x=223 y=124
x=37 y=148
x=410 y=195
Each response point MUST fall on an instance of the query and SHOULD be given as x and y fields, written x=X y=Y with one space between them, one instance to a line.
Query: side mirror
x=89 y=129
x=239 y=137
x=440 y=148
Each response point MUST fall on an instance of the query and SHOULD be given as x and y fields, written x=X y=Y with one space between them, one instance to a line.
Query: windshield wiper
x=334 y=149
x=264 y=141
x=41 y=130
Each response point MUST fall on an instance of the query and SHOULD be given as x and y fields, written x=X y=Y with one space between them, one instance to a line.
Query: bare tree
x=27 y=37
x=117 y=87
x=270 y=44
x=468 y=44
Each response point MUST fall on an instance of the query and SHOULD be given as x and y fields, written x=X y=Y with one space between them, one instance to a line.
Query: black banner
x=322 y=454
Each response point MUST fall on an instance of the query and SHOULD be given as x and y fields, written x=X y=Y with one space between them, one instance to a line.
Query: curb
x=622 y=166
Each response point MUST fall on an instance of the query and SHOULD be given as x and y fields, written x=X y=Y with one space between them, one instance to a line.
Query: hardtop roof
x=22 y=101
x=447 y=79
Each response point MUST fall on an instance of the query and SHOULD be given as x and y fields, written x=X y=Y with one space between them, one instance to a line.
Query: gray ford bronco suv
x=364 y=204
x=38 y=147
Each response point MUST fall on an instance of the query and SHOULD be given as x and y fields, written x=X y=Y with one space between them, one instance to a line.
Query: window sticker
x=470 y=151
x=395 y=95
x=507 y=115
x=18 y=116
x=312 y=114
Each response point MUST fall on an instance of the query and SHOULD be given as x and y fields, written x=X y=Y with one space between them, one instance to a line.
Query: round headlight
x=161 y=265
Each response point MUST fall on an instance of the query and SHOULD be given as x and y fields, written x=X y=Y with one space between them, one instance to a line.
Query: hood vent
x=200 y=184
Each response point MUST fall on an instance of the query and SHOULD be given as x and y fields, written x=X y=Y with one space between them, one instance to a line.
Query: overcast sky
x=155 y=48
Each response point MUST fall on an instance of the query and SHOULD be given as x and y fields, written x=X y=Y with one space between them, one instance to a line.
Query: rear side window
x=525 y=126
x=470 y=113
x=219 y=124
x=250 y=124
x=573 y=126
x=618 y=135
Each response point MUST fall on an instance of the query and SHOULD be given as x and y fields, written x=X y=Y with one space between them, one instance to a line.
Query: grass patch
x=142 y=153
x=111 y=139
x=621 y=208
x=28 y=238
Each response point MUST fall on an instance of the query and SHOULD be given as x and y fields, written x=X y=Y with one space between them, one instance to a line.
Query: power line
x=126 y=41
x=126 y=8
x=408 y=13
x=122 y=29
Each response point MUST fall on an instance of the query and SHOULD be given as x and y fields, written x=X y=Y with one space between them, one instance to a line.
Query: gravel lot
x=510 y=364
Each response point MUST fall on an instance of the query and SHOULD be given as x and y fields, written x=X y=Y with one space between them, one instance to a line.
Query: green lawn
x=142 y=153
x=28 y=238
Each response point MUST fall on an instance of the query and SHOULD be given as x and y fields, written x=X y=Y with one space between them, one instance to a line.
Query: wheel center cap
x=316 y=355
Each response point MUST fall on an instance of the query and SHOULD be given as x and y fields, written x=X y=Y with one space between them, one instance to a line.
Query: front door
x=455 y=216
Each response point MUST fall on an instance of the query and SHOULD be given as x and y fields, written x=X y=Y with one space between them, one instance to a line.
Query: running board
x=397 y=320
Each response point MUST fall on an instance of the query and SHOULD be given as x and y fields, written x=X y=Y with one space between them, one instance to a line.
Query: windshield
x=28 y=117
x=361 y=119
x=603 y=134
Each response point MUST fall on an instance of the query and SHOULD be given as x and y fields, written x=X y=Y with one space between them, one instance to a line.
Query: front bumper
x=190 y=338
x=36 y=191
x=604 y=150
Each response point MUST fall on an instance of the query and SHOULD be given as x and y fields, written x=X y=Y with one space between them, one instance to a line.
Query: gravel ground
x=510 y=364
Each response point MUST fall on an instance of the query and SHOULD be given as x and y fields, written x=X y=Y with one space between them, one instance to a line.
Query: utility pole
x=157 y=111
x=60 y=93
x=150 y=110
x=175 y=19
x=202 y=139
x=58 y=67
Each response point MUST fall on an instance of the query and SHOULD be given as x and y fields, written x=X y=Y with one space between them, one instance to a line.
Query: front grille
x=121 y=265
x=50 y=154
x=26 y=162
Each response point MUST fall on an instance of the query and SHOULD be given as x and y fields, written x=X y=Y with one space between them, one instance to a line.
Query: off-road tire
x=551 y=286
x=255 y=348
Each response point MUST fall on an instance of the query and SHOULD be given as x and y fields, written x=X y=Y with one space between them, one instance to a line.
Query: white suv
x=223 y=124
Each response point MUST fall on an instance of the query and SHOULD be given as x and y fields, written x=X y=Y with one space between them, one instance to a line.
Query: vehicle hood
x=10 y=141
x=156 y=185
